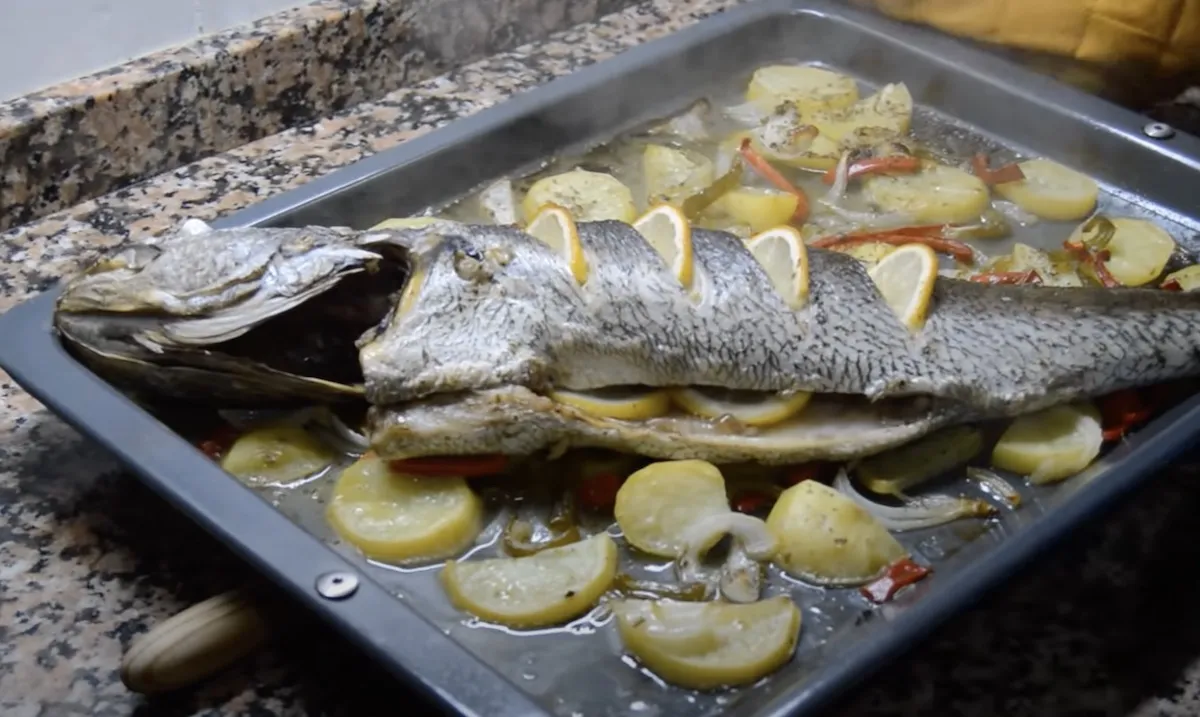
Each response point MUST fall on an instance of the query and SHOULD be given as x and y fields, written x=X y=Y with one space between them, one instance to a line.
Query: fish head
x=245 y=315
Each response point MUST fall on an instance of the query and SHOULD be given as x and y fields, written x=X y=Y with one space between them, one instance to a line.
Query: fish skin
x=516 y=421
x=997 y=350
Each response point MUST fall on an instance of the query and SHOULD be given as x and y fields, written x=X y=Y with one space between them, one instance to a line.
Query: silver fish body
x=476 y=325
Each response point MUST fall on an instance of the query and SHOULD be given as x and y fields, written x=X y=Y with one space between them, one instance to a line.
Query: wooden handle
x=194 y=644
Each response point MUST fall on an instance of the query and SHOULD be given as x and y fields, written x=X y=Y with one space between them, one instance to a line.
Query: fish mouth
x=308 y=352
x=514 y=420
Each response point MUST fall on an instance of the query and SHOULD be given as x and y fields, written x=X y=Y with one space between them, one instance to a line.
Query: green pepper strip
x=691 y=592
x=731 y=180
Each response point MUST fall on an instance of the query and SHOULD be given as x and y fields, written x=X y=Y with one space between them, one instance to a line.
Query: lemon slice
x=393 y=516
x=809 y=88
x=626 y=404
x=668 y=231
x=1051 y=191
x=276 y=454
x=546 y=588
x=753 y=408
x=905 y=278
x=1138 y=250
x=708 y=645
x=656 y=504
x=554 y=226
x=782 y=254
x=1051 y=445
x=826 y=538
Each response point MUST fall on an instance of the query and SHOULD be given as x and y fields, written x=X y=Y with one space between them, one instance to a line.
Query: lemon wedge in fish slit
x=619 y=402
x=748 y=407
x=905 y=278
x=666 y=230
x=554 y=226
x=782 y=254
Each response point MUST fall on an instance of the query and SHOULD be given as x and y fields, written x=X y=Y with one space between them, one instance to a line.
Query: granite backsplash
x=87 y=137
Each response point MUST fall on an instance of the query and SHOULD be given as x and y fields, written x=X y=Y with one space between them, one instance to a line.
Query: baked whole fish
x=458 y=337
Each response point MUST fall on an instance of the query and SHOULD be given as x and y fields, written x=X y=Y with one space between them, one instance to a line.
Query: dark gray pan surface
x=486 y=672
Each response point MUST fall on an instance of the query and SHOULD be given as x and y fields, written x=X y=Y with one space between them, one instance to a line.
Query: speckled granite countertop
x=89 y=558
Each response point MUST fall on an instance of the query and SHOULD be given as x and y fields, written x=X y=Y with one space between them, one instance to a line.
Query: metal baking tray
x=399 y=617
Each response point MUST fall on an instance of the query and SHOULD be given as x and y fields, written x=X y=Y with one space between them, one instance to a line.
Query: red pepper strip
x=750 y=502
x=1171 y=285
x=1008 y=277
x=451 y=466
x=772 y=175
x=954 y=248
x=216 y=445
x=598 y=492
x=1007 y=173
x=1096 y=260
x=1121 y=411
x=901 y=573
x=895 y=164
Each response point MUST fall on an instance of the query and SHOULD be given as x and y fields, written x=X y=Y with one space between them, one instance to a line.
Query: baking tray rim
x=431 y=661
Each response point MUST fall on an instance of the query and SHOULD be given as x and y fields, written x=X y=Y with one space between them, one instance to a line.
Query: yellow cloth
x=1162 y=34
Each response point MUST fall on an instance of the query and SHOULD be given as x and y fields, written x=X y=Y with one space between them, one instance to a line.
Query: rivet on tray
x=1158 y=130
x=337 y=586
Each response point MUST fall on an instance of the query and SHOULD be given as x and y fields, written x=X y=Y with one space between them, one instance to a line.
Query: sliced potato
x=657 y=503
x=276 y=454
x=1051 y=191
x=672 y=175
x=937 y=194
x=588 y=196
x=895 y=471
x=1187 y=278
x=1138 y=250
x=1025 y=257
x=869 y=253
x=809 y=88
x=393 y=516
x=707 y=645
x=826 y=538
x=539 y=590
x=1051 y=445
x=890 y=108
x=759 y=209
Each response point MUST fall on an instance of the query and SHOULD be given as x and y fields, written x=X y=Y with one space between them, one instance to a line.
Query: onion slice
x=994 y=484
x=917 y=513
x=741 y=575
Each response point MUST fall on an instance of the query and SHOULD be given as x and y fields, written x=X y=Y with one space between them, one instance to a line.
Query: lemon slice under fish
x=668 y=231
x=626 y=404
x=752 y=408
x=546 y=588
x=656 y=504
x=710 y=644
x=390 y=515
x=782 y=254
x=905 y=278
x=554 y=226
x=1052 y=444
